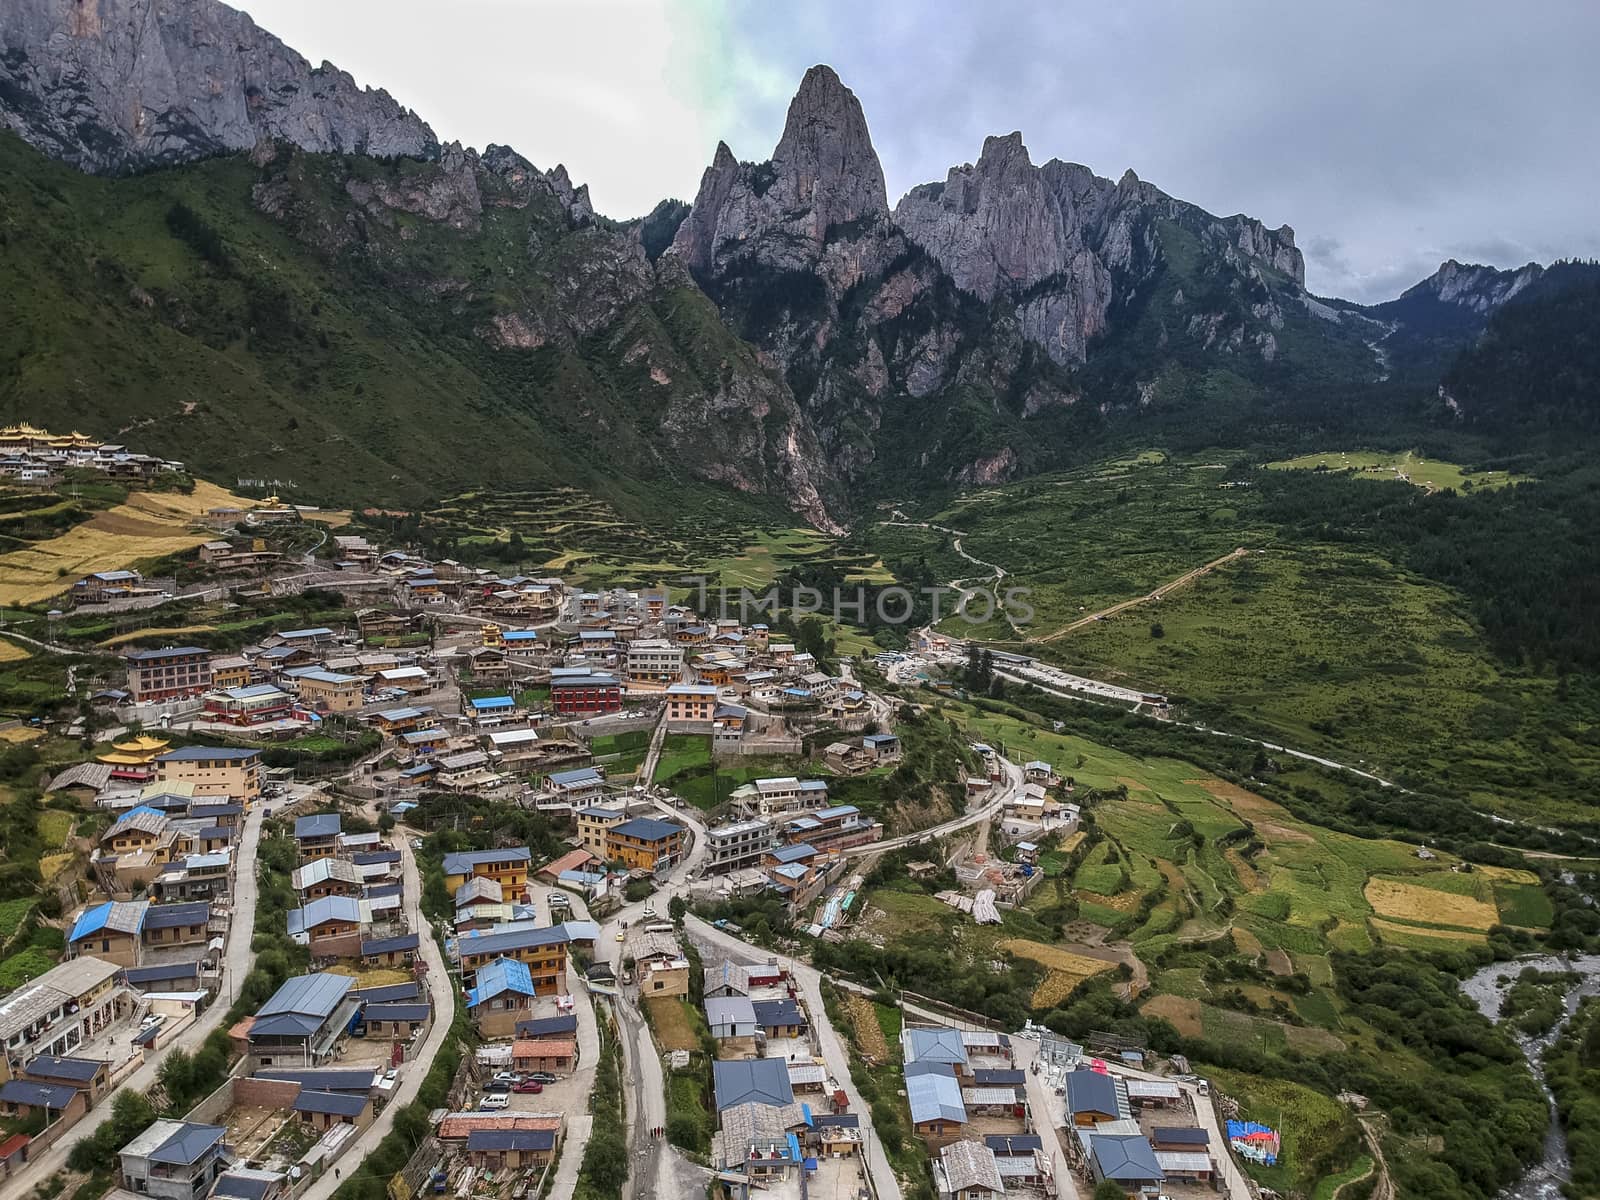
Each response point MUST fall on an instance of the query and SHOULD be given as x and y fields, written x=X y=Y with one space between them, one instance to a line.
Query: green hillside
x=337 y=352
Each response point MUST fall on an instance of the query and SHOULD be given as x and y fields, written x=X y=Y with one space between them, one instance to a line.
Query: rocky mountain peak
x=823 y=175
x=993 y=225
x=825 y=159
x=1473 y=286
x=119 y=85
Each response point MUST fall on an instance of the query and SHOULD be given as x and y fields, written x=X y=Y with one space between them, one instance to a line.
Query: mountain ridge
x=788 y=334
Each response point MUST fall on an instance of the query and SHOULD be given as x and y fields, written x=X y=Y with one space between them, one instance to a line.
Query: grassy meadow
x=1325 y=646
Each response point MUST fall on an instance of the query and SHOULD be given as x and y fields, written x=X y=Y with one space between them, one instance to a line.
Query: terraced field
x=149 y=525
x=586 y=539
x=1186 y=859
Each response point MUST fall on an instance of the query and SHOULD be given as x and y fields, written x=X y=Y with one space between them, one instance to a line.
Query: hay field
x=1428 y=906
x=148 y=525
x=11 y=652
x=1067 y=970
x=1420 y=937
x=669 y=1019
x=1185 y=1013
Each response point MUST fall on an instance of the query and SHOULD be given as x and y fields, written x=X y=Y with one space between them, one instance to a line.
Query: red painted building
x=585 y=695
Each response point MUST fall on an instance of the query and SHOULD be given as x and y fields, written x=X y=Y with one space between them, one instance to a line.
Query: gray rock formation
x=1063 y=241
x=1474 y=287
x=822 y=184
x=120 y=85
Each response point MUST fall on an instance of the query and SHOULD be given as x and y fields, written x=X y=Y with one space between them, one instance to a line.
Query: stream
x=1542 y=1181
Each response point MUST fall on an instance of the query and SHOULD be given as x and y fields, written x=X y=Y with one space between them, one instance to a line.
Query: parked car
x=506 y=1077
x=649 y=912
x=529 y=1087
x=541 y=1077
x=494 y=1101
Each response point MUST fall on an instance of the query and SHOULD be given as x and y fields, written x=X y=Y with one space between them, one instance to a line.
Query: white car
x=494 y=1101
x=649 y=911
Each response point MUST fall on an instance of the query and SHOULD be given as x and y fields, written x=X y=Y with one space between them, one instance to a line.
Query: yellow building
x=329 y=691
x=492 y=639
x=691 y=703
x=593 y=823
x=644 y=843
x=214 y=771
x=544 y=951
x=507 y=866
x=230 y=671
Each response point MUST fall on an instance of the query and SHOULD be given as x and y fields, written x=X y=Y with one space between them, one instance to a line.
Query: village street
x=440 y=995
x=238 y=958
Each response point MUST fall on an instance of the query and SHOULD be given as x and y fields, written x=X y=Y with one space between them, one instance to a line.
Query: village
x=561 y=701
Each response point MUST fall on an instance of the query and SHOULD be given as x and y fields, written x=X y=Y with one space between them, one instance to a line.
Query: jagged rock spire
x=823 y=175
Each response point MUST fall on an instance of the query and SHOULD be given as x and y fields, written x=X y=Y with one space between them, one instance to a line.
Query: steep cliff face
x=1065 y=244
x=822 y=185
x=119 y=85
x=1471 y=286
x=946 y=337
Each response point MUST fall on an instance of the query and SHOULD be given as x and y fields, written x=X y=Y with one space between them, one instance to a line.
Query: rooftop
x=647 y=829
x=208 y=754
x=752 y=1081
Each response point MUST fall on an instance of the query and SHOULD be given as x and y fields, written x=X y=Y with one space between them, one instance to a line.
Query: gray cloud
x=1391 y=136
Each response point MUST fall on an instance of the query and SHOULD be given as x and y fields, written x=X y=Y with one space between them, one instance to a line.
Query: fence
x=960 y=1018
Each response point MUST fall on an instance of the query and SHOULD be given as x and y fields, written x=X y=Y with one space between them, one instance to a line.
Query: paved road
x=1006 y=789
x=441 y=996
x=238 y=958
x=1042 y=1104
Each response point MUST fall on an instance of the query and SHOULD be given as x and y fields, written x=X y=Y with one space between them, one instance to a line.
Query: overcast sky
x=1391 y=136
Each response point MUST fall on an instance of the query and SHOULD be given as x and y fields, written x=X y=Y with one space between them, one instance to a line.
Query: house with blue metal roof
x=90 y=1075
x=644 y=843
x=1127 y=1159
x=329 y=925
x=752 y=1081
x=24 y=1097
x=939 y=1045
x=1094 y=1098
x=317 y=836
x=174 y=1160
x=360 y=1080
x=501 y=997
x=109 y=931
x=302 y=1021
x=934 y=1098
x=321 y=1111
x=510 y=1149
x=249 y=1183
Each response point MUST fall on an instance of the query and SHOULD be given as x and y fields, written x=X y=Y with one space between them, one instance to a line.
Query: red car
x=529 y=1086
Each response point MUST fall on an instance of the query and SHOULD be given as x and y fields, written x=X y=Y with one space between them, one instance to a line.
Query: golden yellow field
x=1067 y=970
x=52 y=865
x=1183 y=1011
x=149 y=525
x=368 y=977
x=671 y=1024
x=1401 y=935
x=1410 y=902
x=20 y=734
x=11 y=652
